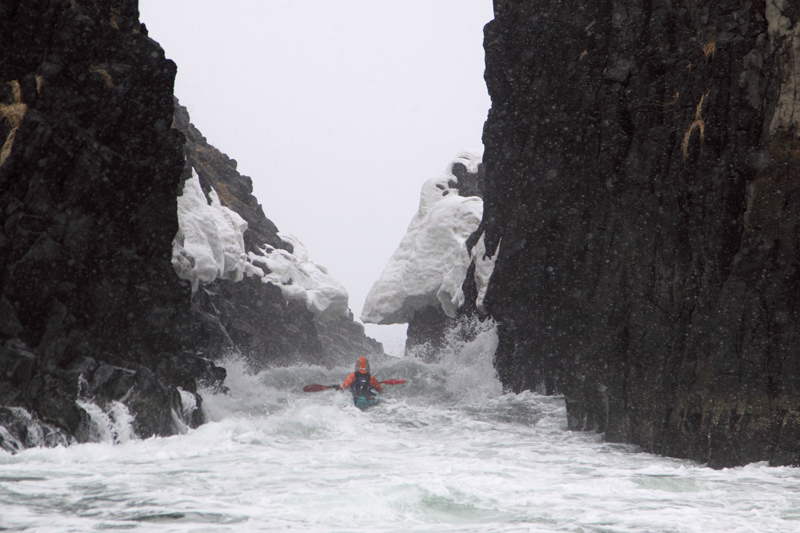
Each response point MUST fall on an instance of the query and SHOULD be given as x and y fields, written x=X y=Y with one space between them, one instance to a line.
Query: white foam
x=113 y=425
x=121 y=423
x=188 y=403
x=431 y=456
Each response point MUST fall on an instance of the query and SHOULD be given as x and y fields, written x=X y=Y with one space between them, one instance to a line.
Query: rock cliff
x=89 y=304
x=642 y=169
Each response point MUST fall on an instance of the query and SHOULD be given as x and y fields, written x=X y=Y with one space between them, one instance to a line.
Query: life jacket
x=361 y=386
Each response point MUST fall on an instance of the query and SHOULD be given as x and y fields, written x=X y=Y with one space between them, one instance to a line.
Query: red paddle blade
x=393 y=382
x=314 y=388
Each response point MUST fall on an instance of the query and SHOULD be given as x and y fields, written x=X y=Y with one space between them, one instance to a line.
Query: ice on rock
x=431 y=262
x=209 y=245
x=301 y=279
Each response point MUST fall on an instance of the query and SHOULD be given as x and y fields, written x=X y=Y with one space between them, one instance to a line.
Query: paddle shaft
x=317 y=388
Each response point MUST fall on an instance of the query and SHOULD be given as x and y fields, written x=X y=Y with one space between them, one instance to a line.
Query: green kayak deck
x=362 y=402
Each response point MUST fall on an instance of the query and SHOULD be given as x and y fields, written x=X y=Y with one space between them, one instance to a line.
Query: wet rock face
x=426 y=336
x=88 y=188
x=642 y=162
x=87 y=215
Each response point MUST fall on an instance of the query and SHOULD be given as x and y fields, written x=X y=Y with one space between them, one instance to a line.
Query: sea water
x=447 y=451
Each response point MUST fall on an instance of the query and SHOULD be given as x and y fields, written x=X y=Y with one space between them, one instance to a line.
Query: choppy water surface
x=445 y=452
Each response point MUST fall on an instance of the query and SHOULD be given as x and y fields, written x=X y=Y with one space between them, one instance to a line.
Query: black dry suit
x=361 y=386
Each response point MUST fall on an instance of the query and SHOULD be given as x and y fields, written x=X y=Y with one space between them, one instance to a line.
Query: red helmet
x=362 y=365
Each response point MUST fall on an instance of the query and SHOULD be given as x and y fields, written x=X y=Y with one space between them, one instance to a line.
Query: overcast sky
x=338 y=110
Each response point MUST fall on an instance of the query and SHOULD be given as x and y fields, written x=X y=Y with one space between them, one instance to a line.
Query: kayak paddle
x=317 y=388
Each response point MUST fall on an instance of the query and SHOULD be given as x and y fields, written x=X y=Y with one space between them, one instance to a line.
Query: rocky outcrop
x=88 y=183
x=250 y=317
x=423 y=282
x=344 y=340
x=642 y=167
x=430 y=329
x=247 y=316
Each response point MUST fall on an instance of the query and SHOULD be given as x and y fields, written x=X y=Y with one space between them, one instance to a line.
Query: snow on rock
x=209 y=245
x=431 y=262
x=301 y=279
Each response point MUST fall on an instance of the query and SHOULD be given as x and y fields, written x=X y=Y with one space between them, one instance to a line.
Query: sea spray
x=114 y=424
x=33 y=432
x=462 y=372
x=427 y=458
x=447 y=451
x=121 y=422
x=468 y=359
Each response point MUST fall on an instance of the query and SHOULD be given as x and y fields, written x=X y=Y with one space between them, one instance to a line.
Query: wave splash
x=114 y=424
x=462 y=375
x=446 y=451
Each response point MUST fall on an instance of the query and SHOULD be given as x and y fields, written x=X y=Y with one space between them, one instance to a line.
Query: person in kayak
x=361 y=383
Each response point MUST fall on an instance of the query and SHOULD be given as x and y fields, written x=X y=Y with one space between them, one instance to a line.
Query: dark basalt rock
x=642 y=162
x=88 y=214
x=252 y=319
x=426 y=336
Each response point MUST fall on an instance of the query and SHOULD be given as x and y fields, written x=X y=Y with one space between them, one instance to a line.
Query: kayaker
x=361 y=382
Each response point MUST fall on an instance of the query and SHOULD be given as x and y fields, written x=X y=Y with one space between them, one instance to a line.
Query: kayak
x=362 y=402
